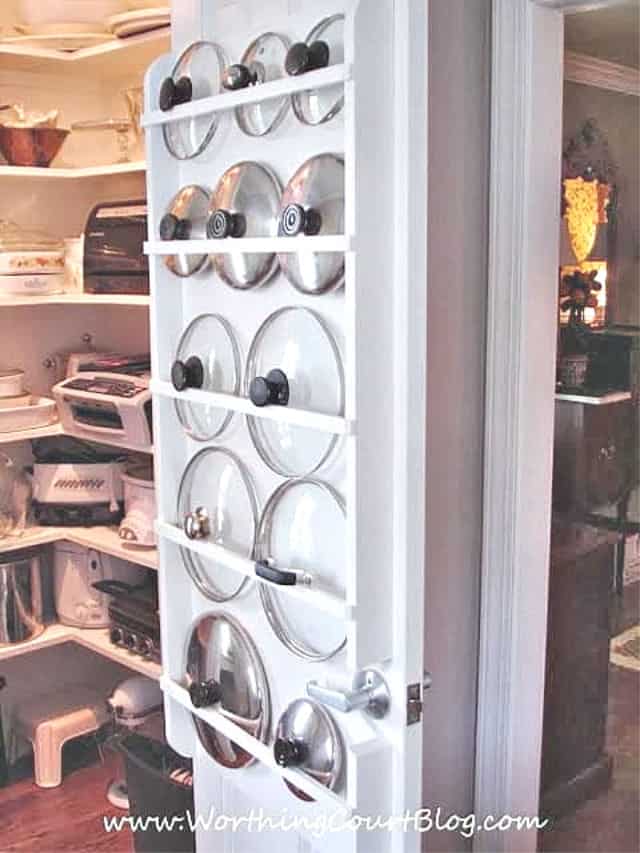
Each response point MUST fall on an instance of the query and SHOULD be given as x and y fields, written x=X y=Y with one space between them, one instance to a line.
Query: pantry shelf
x=91 y=299
x=95 y=639
x=322 y=78
x=31 y=434
x=73 y=172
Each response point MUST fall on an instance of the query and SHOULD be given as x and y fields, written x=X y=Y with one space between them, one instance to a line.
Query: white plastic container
x=40 y=413
x=11 y=382
x=137 y=526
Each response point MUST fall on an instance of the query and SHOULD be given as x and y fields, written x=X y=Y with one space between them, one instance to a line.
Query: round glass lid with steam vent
x=208 y=359
x=303 y=529
x=197 y=74
x=294 y=361
x=313 y=203
x=225 y=672
x=217 y=505
x=324 y=46
x=262 y=62
x=246 y=203
x=308 y=739
x=186 y=219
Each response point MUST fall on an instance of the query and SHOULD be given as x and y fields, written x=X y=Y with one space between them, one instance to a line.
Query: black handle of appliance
x=174 y=92
x=295 y=219
x=187 y=374
x=203 y=694
x=303 y=57
x=281 y=577
x=289 y=753
x=239 y=77
x=270 y=390
x=173 y=228
x=113 y=587
x=223 y=223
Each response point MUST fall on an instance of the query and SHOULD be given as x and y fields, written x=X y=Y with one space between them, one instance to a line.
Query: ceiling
x=612 y=34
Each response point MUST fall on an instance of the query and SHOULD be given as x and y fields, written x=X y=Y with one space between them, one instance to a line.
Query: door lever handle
x=369 y=693
x=268 y=571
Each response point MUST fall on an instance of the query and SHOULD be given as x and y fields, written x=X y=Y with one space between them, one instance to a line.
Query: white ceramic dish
x=17 y=402
x=134 y=23
x=91 y=13
x=33 y=284
x=11 y=382
x=21 y=263
x=40 y=413
x=136 y=5
x=71 y=42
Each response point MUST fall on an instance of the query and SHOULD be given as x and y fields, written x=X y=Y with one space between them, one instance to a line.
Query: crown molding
x=580 y=68
x=569 y=6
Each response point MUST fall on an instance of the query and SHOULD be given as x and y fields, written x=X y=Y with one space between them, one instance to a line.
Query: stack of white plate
x=144 y=15
x=18 y=408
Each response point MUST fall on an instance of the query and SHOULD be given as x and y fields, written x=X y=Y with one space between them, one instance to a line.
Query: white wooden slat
x=245 y=245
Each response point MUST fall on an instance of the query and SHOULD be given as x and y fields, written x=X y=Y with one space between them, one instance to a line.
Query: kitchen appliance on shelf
x=21 y=598
x=133 y=616
x=137 y=526
x=76 y=484
x=114 y=259
x=75 y=569
x=112 y=407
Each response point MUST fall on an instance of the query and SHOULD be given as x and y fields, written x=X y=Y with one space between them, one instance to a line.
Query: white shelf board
x=94 y=639
x=245 y=245
x=30 y=434
x=116 y=58
x=49 y=173
x=605 y=400
x=127 y=299
x=103 y=538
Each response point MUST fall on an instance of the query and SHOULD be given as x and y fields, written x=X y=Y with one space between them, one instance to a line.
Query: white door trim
x=526 y=143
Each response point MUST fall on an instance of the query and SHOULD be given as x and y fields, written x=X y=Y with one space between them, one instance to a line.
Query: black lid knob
x=187 y=374
x=174 y=92
x=173 y=228
x=239 y=77
x=223 y=223
x=295 y=220
x=204 y=693
x=303 y=57
x=289 y=753
x=270 y=390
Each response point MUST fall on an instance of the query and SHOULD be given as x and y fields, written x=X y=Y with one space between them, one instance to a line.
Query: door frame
x=525 y=181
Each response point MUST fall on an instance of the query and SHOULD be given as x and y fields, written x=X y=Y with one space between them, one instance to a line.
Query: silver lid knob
x=197 y=524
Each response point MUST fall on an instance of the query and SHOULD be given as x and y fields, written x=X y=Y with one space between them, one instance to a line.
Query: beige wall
x=618 y=116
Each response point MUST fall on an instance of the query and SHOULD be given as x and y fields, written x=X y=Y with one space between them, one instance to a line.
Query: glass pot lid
x=207 y=358
x=225 y=672
x=313 y=203
x=323 y=46
x=308 y=739
x=246 y=203
x=294 y=361
x=216 y=504
x=303 y=528
x=197 y=74
x=262 y=62
x=186 y=219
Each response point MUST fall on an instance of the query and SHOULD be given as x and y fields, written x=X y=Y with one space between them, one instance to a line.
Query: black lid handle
x=223 y=223
x=295 y=219
x=289 y=753
x=268 y=572
x=187 y=374
x=203 y=694
x=173 y=228
x=270 y=390
x=303 y=57
x=240 y=76
x=174 y=92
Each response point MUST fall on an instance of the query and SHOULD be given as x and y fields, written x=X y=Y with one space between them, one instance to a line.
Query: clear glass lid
x=308 y=739
x=246 y=203
x=197 y=74
x=303 y=528
x=324 y=46
x=294 y=361
x=217 y=505
x=208 y=359
x=186 y=219
x=225 y=672
x=262 y=62
x=313 y=203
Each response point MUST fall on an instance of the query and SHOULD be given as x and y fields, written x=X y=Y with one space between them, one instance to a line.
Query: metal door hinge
x=415 y=702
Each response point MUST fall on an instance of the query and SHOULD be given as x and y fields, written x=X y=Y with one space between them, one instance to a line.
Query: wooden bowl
x=31 y=146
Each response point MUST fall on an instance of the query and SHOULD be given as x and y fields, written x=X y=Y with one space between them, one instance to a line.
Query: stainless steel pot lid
x=225 y=672
x=303 y=527
x=323 y=46
x=207 y=358
x=313 y=203
x=308 y=739
x=262 y=62
x=197 y=74
x=246 y=203
x=216 y=503
x=294 y=361
x=186 y=219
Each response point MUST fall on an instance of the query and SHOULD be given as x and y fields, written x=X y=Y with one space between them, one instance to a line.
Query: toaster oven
x=114 y=259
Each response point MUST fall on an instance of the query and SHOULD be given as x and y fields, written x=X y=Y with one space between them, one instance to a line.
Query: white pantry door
x=354 y=363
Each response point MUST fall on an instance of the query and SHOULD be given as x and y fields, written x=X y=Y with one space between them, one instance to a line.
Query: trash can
x=159 y=784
